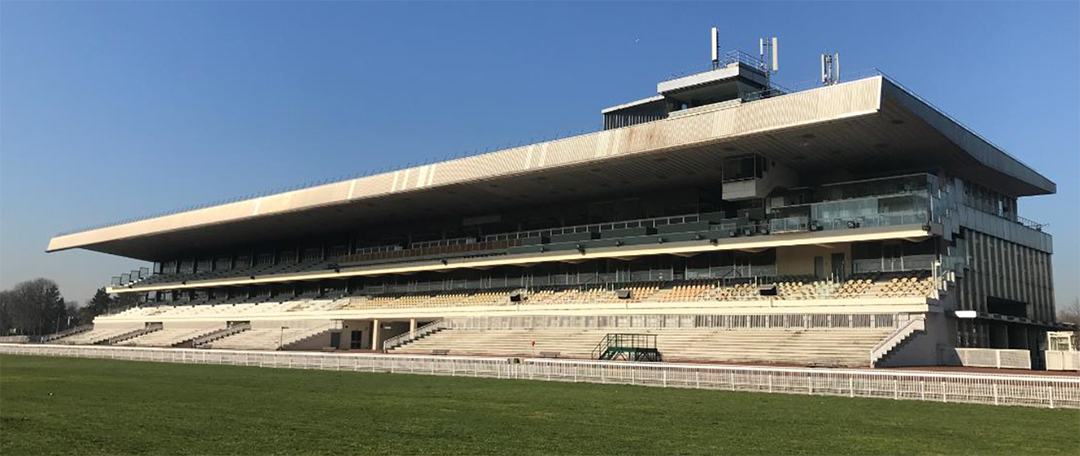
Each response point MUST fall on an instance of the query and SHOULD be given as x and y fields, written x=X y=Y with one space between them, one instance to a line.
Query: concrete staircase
x=801 y=347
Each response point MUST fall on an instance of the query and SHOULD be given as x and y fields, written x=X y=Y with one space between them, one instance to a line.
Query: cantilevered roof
x=870 y=125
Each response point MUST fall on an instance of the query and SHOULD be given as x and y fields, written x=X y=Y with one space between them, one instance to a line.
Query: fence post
x=1051 y=395
x=896 y=389
x=995 y=394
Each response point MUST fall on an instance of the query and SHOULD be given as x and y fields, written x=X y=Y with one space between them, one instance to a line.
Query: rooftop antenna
x=715 y=48
x=830 y=68
x=769 y=57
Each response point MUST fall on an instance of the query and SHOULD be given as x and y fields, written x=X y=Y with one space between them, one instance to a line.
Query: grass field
x=83 y=406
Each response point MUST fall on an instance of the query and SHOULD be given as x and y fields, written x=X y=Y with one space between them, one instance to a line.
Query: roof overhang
x=864 y=126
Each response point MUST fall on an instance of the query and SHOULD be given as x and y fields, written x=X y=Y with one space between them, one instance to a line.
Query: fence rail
x=995 y=357
x=1026 y=390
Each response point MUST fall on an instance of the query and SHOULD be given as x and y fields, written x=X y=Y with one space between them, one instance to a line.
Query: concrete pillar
x=375 y=335
x=412 y=327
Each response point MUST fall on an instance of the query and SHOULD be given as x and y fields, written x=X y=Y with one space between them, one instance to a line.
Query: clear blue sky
x=114 y=110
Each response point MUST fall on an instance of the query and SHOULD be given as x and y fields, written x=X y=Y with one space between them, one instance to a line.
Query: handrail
x=66 y=332
x=403 y=338
x=601 y=347
x=894 y=339
x=225 y=332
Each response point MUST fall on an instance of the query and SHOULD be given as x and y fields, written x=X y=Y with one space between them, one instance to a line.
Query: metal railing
x=1031 y=223
x=887 y=344
x=994 y=389
x=402 y=339
x=66 y=332
x=733 y=56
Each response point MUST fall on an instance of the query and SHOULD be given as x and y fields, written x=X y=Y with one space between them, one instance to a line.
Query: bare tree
x=1070 y=313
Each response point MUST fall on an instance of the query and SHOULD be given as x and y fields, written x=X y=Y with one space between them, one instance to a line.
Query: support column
x=375 y=345
x=412 y=328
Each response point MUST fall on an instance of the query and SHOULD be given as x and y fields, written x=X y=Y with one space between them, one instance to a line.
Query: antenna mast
x=769 y=57
x=830 y=68
x=715 y=48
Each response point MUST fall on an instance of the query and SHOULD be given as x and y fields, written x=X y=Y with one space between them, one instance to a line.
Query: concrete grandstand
x=852 y=224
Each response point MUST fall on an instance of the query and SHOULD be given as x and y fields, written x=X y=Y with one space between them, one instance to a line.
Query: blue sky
x=114 y=110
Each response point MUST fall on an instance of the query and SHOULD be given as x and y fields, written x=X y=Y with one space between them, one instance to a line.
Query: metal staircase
x=629 y=347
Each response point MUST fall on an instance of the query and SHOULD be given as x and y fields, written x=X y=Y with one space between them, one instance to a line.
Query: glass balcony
x=890 y=210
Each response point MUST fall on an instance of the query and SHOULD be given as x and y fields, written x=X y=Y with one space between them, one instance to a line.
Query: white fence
x=1028 y=390
x=993 y=357
x=1062 y=360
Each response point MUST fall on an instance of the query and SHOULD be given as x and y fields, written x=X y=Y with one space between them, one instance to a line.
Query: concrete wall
x=799 y=260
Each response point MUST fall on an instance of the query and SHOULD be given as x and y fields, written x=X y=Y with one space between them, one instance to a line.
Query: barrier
x=993 y=389
x=994 y=357
x=1062 y=360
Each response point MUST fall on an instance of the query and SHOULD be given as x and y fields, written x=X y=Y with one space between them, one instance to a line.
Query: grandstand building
x=849 y=224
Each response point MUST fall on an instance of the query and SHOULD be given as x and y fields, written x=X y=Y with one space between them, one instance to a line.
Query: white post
x=375 y=335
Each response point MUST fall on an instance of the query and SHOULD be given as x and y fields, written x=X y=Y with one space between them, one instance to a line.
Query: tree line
x=36 y=308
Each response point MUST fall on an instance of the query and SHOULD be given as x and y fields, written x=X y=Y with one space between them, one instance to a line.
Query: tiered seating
x=546 y=296
x=643 y=292
x=266 y=338
x=569 y=342
x=686 y=292
x=854 y=288
x=169 y=337
x=736 y=292
x=802 y=288
x=790 y=288
x=804 y=347
x=317 y=305
x=906 y=286
x=97 y=335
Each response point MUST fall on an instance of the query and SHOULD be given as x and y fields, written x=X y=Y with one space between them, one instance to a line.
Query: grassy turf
x=82 y=406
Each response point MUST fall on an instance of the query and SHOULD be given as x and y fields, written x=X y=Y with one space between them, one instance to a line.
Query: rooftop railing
x=1031 y=223
x=734 y=56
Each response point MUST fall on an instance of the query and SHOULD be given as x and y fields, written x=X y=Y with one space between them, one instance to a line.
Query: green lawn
x=82 y=406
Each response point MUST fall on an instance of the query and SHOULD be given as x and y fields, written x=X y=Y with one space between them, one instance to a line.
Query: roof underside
x=857 y=128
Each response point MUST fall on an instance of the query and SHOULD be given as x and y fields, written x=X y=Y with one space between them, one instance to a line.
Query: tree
x=1070 y=313
x=100 y=303
x=5 y=313
x=125 y=301
x=34 y=307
